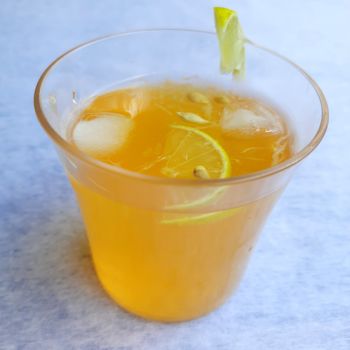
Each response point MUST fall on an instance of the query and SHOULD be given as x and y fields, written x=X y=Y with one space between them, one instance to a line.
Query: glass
x=169 y=249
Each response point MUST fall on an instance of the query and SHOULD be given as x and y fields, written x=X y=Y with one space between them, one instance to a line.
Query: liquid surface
x=142 y=135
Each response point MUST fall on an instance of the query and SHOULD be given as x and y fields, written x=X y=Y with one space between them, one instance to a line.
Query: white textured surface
x=296 y=293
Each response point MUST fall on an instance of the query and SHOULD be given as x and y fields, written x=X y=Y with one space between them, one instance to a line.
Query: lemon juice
x=169 y=264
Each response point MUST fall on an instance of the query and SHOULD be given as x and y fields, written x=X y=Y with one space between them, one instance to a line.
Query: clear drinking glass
x=172 y=249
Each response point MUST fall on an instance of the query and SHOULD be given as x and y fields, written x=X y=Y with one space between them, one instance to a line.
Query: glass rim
x=293 y=160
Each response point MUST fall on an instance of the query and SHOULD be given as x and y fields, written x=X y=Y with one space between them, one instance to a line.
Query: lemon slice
x=231 y=41
x=188 y=149
x=191 y=152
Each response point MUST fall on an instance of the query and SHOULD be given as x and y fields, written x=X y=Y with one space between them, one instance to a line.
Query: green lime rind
x=208 y=198
x=225 y=171
x=226 y=163
x=231 y=42
x=198 y=219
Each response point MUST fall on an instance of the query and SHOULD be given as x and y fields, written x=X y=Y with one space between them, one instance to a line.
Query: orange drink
x=175 y=165
x=168 y=264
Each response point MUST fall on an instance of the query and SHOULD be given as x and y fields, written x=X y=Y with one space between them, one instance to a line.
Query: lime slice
x=231 y=41
x=195 y=219
x=188 y=149
x=192 y=152
x=198 y=202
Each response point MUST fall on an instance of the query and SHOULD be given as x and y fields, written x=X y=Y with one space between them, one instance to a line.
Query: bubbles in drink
x=102 y=135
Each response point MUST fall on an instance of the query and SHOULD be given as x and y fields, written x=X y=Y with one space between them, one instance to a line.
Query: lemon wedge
x=231 y=41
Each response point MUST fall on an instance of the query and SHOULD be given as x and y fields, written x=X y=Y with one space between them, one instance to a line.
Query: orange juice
x=172 y=264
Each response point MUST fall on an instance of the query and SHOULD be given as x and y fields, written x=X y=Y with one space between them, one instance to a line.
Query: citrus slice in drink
x=195 y=219
x=192 y=153
x=231 y=41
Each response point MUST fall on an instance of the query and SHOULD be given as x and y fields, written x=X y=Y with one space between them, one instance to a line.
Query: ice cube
x=249 y=122
x=102 y=135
